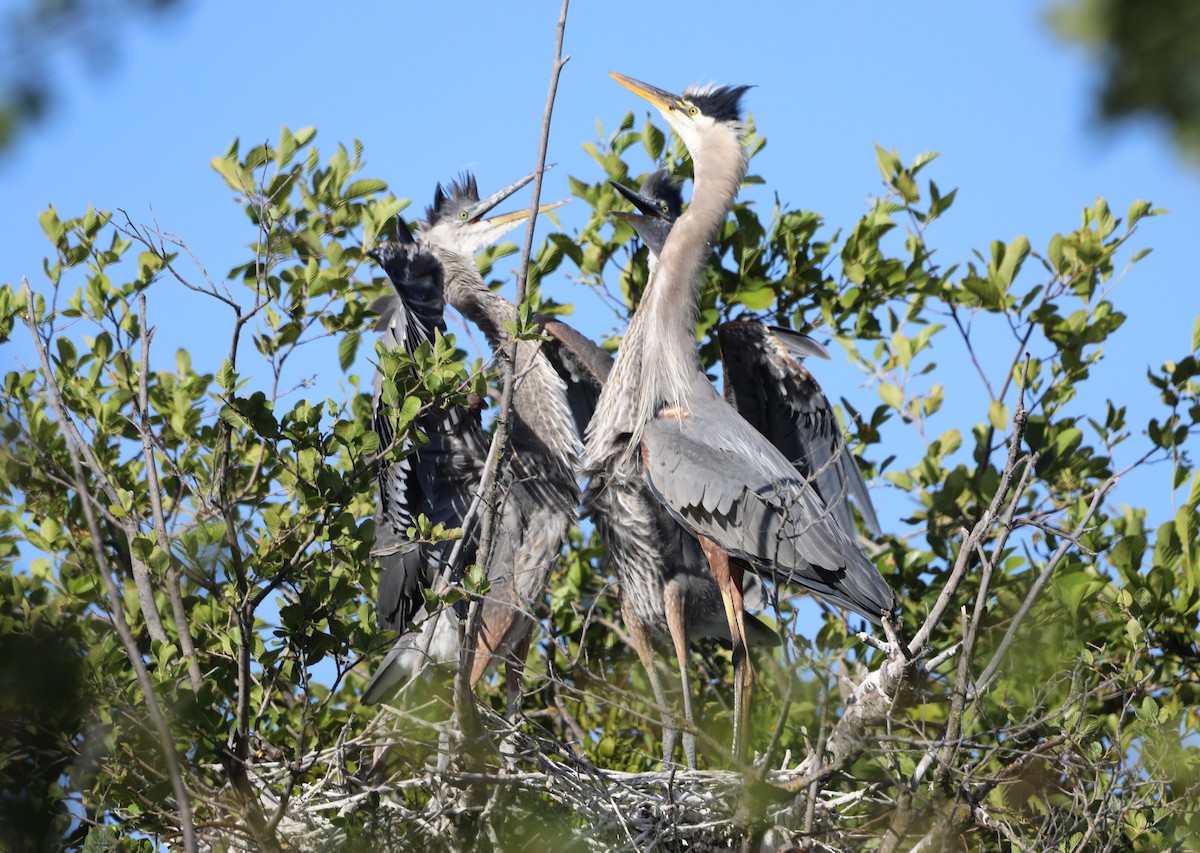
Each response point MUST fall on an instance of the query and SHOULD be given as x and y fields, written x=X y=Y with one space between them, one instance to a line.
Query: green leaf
x=891 y=394
x=758 y=299
x=1148 y=712
x=998 y=415
x=52 y=226
x=236 y=178
x=348 y=349
x=234 y=418
x=888 y=162
x=364 y=187
x=1013 y=256
x=1136 y=211
x=653 y=139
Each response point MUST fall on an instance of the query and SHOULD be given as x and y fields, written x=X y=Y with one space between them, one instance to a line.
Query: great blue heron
x=660 y=418
x=764 y=375
x=538 y=490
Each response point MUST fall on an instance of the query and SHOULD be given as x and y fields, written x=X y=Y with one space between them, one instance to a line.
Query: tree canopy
x=186 y=622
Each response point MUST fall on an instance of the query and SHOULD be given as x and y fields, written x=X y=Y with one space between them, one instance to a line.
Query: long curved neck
x=658 y=361
x=467 y=293
x=668 y=313
x=543 y=424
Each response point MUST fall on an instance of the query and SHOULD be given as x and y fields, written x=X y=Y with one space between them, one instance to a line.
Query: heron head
x=657 y=206
x=695 y=114
x=456 y=219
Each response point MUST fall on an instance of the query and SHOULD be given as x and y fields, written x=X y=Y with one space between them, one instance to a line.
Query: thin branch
x=116 y=601
x=174 y=593
x=143 y=582
x=989 y=672
x=463 y=698
x=1020 y=419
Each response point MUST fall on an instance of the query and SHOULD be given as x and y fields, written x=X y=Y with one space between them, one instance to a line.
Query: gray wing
x=724 y=481
x=436 y=475
x=414 y=652
x=770 y=387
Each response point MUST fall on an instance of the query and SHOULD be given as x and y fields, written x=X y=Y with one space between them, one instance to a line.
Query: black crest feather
x=462 y=192
x=720 y=103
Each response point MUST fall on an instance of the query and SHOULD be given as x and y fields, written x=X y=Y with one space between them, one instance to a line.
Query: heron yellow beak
x=521 y=215
x=661 y=98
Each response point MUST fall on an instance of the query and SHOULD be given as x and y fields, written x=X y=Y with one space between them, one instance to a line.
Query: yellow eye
x=693 y=111
x=462 y=214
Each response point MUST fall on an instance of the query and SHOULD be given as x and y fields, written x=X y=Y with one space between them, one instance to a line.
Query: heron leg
x=674 y=603
x=745 y=685
x=514 y=668
x=641 y=645
x=729 y=579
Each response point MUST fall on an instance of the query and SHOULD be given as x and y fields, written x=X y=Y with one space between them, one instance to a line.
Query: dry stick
x=971 y=628
x=116 y=601
x=871 y=697
x=989 y=673
x=174 y=593
x=463 y=696
x=1019 y=420
x=235 y=757
x=1026 y=474
x=142 y=581
x=810 y=807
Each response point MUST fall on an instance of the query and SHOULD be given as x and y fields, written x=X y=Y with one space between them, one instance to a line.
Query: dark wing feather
x=436 y=474
x=770 y=387
x=581 y=364
x=730 y=486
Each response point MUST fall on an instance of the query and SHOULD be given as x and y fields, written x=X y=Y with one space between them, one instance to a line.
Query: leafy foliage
x=234 y=514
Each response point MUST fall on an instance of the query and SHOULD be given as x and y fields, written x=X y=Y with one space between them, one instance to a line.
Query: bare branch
x=463 y=698
x=174 y=593
x=116 y=601
x=985 y=678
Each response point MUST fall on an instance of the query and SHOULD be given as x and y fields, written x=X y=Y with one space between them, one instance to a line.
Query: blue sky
x=435 y=88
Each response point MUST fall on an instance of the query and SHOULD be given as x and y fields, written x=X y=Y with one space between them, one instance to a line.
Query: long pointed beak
x=661 y=98
x=518 y=216
x=645 y=205
x=487 y=232
x=482 y=206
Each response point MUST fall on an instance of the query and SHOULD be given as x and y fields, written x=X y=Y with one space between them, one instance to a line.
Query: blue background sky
x=435 y=88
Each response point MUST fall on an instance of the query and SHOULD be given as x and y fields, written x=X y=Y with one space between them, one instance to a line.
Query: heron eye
x=462 y=214
x=693 y=110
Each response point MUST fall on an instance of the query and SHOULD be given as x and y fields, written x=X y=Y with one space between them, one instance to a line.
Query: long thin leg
x=514 y=668
x=674 y=603
x=745 y=685
x=729 y=579
x=641 y=645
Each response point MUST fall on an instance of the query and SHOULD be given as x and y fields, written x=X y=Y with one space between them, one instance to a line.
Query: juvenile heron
x=437 y=480
x=567 y=371
x=660 y=418
x=764 y=375
x=538 y=490
x=540 y=493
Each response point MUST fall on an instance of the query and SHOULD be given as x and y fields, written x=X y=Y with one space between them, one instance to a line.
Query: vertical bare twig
x=174 y=593
x=116 y=600
x=463 y=698
x=142 y=581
